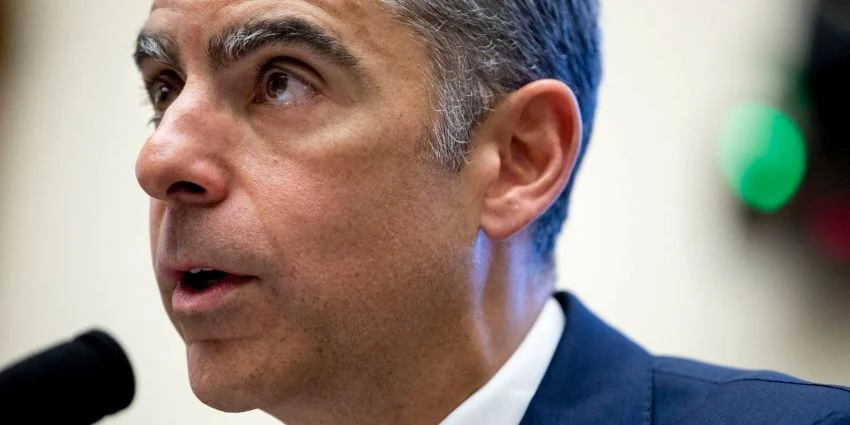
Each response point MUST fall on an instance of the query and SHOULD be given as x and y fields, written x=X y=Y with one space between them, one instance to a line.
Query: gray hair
x=482 y=50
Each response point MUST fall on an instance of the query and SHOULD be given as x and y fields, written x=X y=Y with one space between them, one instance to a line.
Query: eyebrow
x=151 y=46
x=241 y=41
x=238 y=42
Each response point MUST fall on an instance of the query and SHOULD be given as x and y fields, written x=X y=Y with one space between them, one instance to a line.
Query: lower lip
x=185 y=299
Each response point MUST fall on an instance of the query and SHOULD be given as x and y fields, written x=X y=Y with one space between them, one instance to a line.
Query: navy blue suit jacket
x=598 y=376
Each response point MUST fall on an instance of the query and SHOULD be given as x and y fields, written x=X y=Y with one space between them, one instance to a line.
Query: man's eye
x=162 y=93
x=282 y=87
x=162 y=97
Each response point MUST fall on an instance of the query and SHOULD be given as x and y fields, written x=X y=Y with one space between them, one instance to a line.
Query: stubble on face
x=360 y=245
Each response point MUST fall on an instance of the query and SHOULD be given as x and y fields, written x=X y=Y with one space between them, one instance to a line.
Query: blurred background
x=710 y=220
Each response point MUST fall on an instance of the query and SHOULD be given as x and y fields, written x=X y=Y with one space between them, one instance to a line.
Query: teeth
x=198 y=270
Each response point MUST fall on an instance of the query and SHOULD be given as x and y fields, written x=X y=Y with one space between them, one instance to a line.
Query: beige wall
x=654 y=243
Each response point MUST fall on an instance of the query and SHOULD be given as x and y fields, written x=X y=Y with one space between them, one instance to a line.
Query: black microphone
x=78 y=382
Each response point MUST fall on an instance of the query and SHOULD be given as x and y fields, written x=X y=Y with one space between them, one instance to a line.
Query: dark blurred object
x=825 y=195
x=77 y=382
x=828 y=85
x=790 y=164
x=5 y=29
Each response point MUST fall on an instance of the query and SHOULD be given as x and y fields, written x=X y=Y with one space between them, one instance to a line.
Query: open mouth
x=202 y=279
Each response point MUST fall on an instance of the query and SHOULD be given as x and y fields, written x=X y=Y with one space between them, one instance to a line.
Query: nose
x=182 y=162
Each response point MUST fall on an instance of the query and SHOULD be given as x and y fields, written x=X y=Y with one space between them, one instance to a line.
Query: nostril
x=186 y=187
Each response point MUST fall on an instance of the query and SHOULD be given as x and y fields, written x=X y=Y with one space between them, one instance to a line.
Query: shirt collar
x=504 y=399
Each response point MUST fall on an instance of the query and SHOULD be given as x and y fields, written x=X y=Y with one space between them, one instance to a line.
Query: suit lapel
x=597 y=376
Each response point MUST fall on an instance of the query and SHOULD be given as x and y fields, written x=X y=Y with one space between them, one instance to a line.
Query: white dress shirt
x=505 y=398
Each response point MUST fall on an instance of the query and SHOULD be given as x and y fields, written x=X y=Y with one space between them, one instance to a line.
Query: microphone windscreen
x=77 y=382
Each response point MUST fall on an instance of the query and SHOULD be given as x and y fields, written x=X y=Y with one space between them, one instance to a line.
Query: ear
x=536 y=138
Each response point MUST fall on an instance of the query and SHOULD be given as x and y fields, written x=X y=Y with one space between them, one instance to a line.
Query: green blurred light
x=762 y=156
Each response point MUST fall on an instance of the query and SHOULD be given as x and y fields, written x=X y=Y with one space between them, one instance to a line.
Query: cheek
x=366 y=238
x=342 y=195
x=362 y=227
x=334 y=212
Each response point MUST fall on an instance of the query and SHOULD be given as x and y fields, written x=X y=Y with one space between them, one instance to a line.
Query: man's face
x=291 y=156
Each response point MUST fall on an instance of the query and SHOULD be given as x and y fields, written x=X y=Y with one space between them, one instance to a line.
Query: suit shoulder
x=690 y=392
x=836 y=418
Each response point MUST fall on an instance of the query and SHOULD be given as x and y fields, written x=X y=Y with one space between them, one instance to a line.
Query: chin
x=223 y=379
x=223 y=400
x=222 y=394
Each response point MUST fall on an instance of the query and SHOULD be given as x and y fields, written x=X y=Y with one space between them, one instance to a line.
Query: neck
x=422 y=380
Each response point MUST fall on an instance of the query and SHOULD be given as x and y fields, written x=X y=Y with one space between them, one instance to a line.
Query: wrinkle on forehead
x=335 y=8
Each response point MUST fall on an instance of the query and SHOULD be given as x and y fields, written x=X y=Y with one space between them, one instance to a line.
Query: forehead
x=336 y=13
x=367 y=27
x=335 y=7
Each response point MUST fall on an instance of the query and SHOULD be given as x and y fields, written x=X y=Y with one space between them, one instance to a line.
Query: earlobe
x=538 y=141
